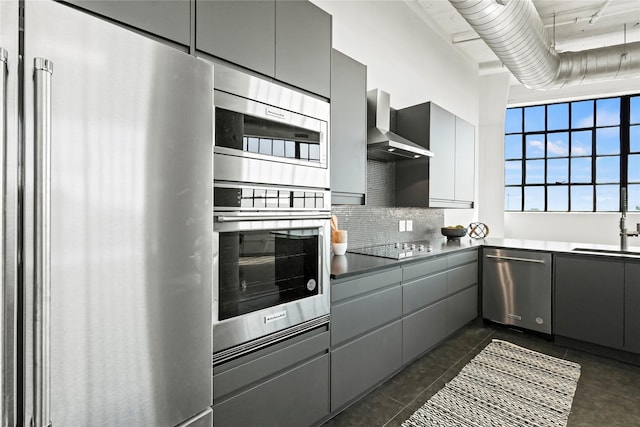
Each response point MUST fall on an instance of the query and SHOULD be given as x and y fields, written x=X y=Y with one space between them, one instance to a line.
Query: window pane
x=557 y=171
x=633 y=197
x=634 y=138
x=608 y=140
x=558 y=198
x=513 y=172
x=581 y=143
x=634 y=168
x=513 y=120
x=535 y=146
x=534 y=118
x=558 y=116
x=607 y=197
x=607 y=169
x=513 y=198
x=635 y=109
x=582 y=114
x=534 y=172
x=278 y=147
x=558 y=144
x=534 y=198
x=513 y=147
x=582 y=198
x=581 y=169
x=608 y=112
x=265 y=146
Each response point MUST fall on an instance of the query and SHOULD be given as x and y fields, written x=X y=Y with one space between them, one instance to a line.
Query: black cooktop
x=396 y=250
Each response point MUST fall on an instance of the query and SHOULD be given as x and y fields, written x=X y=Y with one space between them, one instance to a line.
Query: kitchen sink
x=607 y=251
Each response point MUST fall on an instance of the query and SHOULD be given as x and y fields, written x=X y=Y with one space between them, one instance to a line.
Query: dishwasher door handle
x=512 y=258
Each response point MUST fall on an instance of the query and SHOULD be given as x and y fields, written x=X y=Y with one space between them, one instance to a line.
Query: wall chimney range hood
x=382 y=144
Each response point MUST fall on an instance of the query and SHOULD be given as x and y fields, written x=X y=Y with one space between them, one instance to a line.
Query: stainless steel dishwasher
x=516 y=288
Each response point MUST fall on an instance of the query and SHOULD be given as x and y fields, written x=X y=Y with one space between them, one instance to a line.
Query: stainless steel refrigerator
x=106 y=225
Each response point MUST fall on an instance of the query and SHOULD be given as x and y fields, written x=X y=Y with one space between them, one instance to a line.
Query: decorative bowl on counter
x=454 y=233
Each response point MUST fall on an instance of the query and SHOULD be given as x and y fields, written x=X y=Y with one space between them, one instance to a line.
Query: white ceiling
x=579 y=25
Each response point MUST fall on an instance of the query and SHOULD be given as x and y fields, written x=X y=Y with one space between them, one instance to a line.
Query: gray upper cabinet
x=348 y=130
x=447 y=179
x=303 y=46
x=169 y=19
x=465 y=159
x=632 y=307
x=289 y=40
x=589 y=300
x=241 y=32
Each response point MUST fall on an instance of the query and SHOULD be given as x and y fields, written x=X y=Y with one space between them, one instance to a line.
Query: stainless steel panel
x=237 y=330
x=131 y=222
x=10 y=220
x=516 y=288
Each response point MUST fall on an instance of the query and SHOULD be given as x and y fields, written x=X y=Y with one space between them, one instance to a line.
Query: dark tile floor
x=608 y=392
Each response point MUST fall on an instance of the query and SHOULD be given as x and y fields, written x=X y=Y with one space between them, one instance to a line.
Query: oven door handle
x=223 y=218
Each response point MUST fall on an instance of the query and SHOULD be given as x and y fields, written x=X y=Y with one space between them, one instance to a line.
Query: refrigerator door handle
x=3 y=171
x=43 y=69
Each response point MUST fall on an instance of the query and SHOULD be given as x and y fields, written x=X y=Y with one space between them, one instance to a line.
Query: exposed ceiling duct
x=515 y=32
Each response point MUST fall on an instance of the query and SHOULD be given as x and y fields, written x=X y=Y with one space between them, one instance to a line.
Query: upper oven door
x=268 y=133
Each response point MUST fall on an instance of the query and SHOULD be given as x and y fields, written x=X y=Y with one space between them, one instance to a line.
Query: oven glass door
x=255 y=130
x=259 y=269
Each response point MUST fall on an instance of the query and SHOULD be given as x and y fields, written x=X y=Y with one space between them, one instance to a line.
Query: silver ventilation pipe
x=515 y=32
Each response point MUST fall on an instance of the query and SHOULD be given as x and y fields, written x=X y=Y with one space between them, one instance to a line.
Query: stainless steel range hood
x=382 y=144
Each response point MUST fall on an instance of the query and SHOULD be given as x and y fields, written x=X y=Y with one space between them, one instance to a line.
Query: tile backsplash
x=377 y=222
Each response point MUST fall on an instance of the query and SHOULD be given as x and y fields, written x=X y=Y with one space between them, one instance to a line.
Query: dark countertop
x=344 y=266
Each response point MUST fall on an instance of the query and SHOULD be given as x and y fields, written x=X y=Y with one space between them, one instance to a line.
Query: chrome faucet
x=624 y=234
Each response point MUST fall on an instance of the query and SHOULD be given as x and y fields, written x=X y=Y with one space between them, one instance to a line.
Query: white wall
x=409 y=60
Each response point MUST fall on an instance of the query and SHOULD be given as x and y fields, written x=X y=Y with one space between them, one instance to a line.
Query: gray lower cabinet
x=365 y=362
x=632 y=307
x=366 y=333
x=284 y=384
x=348 y=130
x=440 y=296
x=589 y=299
x=169 y=19
x=241 y=32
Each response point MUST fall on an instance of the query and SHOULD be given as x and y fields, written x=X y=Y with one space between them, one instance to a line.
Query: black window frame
x=623 y=154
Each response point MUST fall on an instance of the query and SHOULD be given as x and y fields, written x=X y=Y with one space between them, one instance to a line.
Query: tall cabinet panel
x=632 y=307
x=464 y=161
x=348 y=129
x=242 y=32
x=303 y=46
x=169 y=19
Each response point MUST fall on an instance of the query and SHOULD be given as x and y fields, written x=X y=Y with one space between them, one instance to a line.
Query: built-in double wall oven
x=271 y=213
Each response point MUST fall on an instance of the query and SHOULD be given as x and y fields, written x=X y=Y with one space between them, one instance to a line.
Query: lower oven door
x=270 y=274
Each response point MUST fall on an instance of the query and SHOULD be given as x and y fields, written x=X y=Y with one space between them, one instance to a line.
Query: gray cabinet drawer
x=462 y=277
x=361 y=315
x=364 y=284
x=632 y=307
x=423 y=292
x=423 y=330
x=298 y=397
x=463 y=258
x=461 y=309
x=363 y=363
x=228 y=378
x=426 y=268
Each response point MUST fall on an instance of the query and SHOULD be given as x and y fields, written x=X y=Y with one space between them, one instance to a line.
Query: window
x=573 y=156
